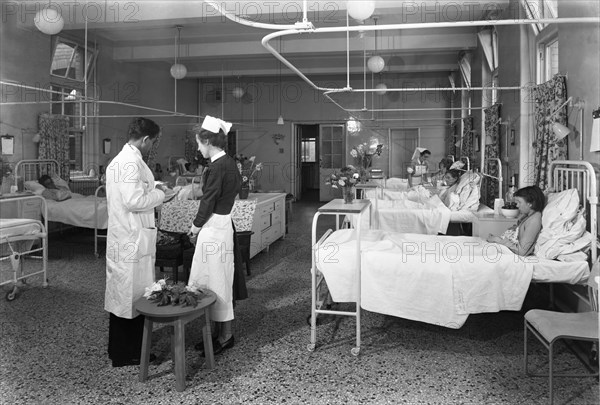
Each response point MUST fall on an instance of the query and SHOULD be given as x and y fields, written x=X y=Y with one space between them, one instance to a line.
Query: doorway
x=307 y=138
x=402 y=146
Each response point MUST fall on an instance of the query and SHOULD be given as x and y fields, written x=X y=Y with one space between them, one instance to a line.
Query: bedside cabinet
x=15 y=208
x=485 y=224
x=268 y=223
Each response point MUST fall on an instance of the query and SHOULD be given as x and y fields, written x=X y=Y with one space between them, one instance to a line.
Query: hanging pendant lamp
x=49 y=21
x=178 y=71
x=280 y=120
x=375 y=62
x=360 y=10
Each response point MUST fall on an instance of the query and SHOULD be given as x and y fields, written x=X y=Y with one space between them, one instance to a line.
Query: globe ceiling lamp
x=381 y=89
x=237 y=92
x=49 y=21
x=376 y=64
x=178 y=71
x=360 y=10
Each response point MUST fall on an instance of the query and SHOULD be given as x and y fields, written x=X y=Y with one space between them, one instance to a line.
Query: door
x=402 y=146
x=331 y=158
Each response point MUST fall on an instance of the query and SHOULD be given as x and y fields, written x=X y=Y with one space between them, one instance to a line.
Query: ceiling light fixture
x=360 y=10
x=375 y=62
x=49 y=21
x=237 y=92
x=280 y=120
x=381 y=89
x=178 y=71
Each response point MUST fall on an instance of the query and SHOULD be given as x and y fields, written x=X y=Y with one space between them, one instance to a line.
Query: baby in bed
x=521 y=237
x=53 y=191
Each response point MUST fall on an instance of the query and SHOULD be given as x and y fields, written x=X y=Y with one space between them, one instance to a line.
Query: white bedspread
x=434 y=279
x=78 y=211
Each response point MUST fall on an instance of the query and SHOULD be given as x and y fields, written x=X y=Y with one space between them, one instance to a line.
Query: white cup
x=498 y=203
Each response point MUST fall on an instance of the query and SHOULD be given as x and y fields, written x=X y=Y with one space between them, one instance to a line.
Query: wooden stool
x=175 y=316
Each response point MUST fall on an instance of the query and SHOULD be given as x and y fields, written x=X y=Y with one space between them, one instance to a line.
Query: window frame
x=77 y=46
x=543 y=60
x=536 y=9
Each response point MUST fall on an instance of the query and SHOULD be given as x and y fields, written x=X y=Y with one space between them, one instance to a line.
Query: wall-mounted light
x=278 y=138
x=561 y=131
x=106 y=146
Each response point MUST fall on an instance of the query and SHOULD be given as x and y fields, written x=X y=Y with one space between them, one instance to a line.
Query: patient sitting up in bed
x=52 y=191
x=521 y=237
x=449 y=185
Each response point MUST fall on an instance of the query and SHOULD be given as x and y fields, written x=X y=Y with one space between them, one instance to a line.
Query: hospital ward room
x=300 y=202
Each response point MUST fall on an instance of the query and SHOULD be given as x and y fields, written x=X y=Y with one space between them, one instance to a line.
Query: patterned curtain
x=152 y=155
x=191 y=146
x=54 y=141
x=492 y=150
x=548 y=97
x=467 y=141
x=451 y=140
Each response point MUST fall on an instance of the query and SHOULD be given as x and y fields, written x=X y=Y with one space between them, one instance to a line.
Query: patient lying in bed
x=53 y=191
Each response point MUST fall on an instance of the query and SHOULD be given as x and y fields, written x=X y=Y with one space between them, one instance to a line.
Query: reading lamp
x=561 y=131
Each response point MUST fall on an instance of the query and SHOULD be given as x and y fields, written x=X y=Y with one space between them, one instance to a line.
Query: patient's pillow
x=563 y=226
x=467 y=194
x=34 y=186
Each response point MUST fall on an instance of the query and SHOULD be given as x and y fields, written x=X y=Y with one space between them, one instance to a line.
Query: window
x=309 y=150
x=547 y=59
x=75 y=150
x=68 y=60
x=464 y=64
x=540 y=9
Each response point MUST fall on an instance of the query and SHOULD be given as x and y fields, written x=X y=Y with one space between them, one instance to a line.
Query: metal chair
x=550 y=326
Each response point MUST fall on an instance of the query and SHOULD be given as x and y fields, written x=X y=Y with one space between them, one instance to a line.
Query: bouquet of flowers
x=248 y=169
x=165 y=292
x=347 y=177
x=363 y=155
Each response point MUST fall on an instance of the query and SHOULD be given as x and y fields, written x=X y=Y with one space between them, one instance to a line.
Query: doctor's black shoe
x=131 y=362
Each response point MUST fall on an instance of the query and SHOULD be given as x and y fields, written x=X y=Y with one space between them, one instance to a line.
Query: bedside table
x=484 y=224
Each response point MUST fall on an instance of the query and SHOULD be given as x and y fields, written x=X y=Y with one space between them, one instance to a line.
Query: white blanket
x=78 y=211
x=434 y=279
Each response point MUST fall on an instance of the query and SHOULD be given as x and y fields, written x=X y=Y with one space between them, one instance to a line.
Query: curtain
x=54 y=141
x=492 y=150
x=191 y=147
x=467 y=141
x=548 y=97
x=451 y=140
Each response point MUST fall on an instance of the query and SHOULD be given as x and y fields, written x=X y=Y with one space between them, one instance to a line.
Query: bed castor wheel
x=310 y=347
x=355 y=351
x=11 y=295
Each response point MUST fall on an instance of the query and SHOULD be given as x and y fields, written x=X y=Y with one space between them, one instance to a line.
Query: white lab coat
x=131 y=240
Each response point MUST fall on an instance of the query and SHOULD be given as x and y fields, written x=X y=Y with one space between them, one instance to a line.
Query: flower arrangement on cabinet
x=363 y=155
x=248 y=169
x=165 y=292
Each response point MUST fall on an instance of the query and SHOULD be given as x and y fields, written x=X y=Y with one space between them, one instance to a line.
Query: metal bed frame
x=26 y=170
x=16 y=258
x=564 y=174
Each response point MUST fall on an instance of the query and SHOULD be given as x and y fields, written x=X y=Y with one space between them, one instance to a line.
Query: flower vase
x=348 y=194
x=244 y=191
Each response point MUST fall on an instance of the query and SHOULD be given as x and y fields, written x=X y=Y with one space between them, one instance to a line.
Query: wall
x=255 y=116
x=25 y=58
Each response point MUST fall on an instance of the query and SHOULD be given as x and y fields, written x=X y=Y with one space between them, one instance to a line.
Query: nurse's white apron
x=213 y=266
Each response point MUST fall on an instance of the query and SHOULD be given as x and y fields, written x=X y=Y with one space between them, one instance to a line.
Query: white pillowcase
x=34 y=186
x=563 y=226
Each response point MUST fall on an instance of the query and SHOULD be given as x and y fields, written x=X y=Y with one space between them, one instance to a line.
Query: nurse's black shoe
x=200 y=345
x=219 y=347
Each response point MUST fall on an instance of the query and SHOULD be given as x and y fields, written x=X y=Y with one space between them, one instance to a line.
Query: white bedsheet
x=78 y=211
x=434 y=279
x=11 y=227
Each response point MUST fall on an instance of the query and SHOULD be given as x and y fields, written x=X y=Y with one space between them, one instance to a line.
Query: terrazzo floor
x=53 y=346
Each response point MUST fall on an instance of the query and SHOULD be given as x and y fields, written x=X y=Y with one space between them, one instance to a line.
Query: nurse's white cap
x=213 y=125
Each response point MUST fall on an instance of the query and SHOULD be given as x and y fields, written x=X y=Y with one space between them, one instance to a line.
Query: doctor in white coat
x=131 y=240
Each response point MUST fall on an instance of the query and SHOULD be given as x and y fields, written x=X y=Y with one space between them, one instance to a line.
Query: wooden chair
x=550 y=326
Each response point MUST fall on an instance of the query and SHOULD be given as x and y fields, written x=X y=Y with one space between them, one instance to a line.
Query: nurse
x=419 y=166
x=213 y=262
x=131 y=240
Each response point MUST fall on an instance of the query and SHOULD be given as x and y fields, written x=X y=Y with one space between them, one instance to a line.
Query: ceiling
x=212 y=46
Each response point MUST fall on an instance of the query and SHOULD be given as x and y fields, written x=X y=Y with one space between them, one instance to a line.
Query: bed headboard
x=467 y=162
x=484 y=171
x=580 y=175
x=27 y=170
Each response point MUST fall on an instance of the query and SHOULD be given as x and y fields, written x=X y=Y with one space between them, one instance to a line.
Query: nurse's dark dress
x=213 y=262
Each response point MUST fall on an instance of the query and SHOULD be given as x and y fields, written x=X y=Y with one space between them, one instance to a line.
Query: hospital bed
x=436 y=279
x=84 y=211
x=22 y=238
